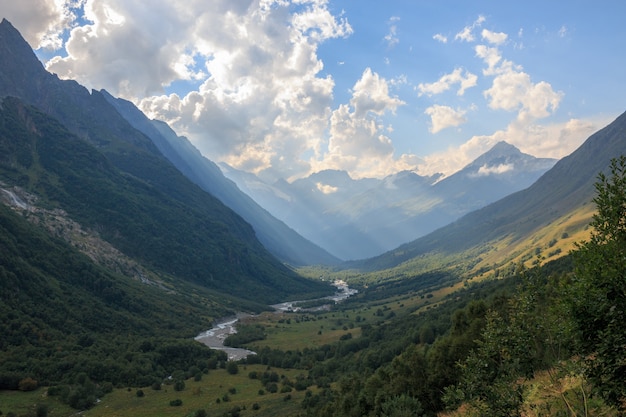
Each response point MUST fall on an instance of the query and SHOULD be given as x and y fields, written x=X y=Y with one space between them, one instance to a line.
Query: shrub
x=27 y=384
x=232 y=368
x=176 y=403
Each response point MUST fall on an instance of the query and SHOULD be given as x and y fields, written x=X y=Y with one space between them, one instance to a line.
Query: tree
x=232 y=368
x=598 y=297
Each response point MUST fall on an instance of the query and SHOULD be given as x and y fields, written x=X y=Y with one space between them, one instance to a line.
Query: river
x=214 y=337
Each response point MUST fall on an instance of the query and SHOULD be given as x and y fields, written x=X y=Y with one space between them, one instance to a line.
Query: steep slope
x=62 y=315
x=564 y=191
x=277 y=237
x=111 y=178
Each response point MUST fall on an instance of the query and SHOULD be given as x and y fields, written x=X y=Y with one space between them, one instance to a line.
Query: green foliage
x=529 y=333
x=142 y=205
x=232 y=367
x=245 y=334
x=176 y=403
x=599 y=288
x=179 y=385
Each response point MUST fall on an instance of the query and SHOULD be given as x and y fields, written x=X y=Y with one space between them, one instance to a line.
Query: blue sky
x=285 y=88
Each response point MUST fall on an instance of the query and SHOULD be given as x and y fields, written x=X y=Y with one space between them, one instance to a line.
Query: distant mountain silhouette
x=277 y=237
x=356 y=219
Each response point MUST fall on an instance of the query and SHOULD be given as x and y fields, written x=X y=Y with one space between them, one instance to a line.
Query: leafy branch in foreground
x=599 y=293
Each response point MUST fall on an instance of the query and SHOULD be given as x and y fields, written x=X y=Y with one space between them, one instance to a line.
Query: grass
x=207 y=394
x=197 y=395
x=26 y=403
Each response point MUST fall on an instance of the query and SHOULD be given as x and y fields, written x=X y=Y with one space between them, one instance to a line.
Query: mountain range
x=150 y=195
x=120 y=242
x=553 y=212
x=275 y=235
x=362 y=218
x=73 y=151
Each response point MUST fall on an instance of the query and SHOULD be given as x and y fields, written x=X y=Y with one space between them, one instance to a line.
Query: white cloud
x=264 y=107
x=513 y=90
x=562 y=31
x=466 y=34
x=491 y=56
x=392 y=37
x=496 y=38
x=326 y=189
x=446 y=82
x=443 y=117
x=358 y=141
x=487 y=170
x=440 y=38
x=549 y=141
x=43 y=24
x=371 y=94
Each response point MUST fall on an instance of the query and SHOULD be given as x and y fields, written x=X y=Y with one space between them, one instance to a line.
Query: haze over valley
x=170 y=193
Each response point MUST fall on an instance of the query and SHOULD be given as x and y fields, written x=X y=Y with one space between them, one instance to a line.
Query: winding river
x=214 y=337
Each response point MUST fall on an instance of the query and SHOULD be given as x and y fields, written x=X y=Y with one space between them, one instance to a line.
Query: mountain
x=362 y=218
x=558 y=204
x=495 y=174
x=76 y=153
x=275 y=235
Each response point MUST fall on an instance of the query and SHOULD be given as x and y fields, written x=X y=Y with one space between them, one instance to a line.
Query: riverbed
x=214 y=337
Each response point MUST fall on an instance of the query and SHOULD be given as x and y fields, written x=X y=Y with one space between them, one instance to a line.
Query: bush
x=27 y=384
x=42 y=410
x=140 y=393
x=176 y=403
x=232 y=368
x=179 y=385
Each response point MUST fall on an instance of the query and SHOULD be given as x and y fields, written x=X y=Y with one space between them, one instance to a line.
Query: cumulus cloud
x=264 y=107
x=513 y=90
x=371 y=94
x=495 y=38
x=358 y=141
x=491 y=56
x=447 y=81
x=443 y=117
x=42 y=25
x=554 y=140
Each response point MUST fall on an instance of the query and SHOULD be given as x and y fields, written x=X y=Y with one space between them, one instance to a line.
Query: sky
x=285 y=88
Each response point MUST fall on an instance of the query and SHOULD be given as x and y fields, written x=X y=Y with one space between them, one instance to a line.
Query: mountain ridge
x=357 y=219
x=197 y=238
x=277 y=237
x=566 y=187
